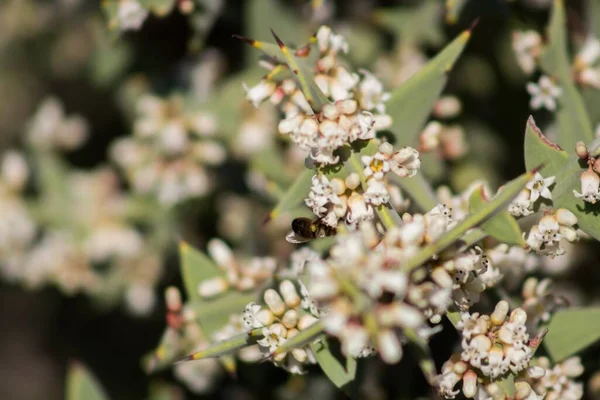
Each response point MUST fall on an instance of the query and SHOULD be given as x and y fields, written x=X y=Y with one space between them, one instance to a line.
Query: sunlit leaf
x=302 y=338
x=572 y=330
x=418 y=24
x=541 y=151
x=195 y=268
x=501 y=226
x=412 y=102
x=224 y=347
x=295 y=194
x=340 y=375
x=82 y=385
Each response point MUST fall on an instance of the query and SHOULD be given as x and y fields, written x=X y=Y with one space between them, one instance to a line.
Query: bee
x=306 y=229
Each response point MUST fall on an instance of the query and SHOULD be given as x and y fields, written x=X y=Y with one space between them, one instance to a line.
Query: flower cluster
x=545 y=236
x=242 y=275
x=285 y=315
x=557 y=383
x=537 y=188
x=357 y=108
x=527 y=46
x=170 y=150
x=590 y=186
x=492 y=347
x=51 y=129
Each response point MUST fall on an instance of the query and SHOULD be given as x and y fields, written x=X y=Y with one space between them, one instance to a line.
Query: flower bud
x=505 y=335
x=173 y=299
x=352 y=181
x=389 y=346
x=529 y=288
x=330 y=111
x=523 y=390
x=347 y=106
x=500 y=313
x=447 y=107
x=306 y=321
x=470 y=384
x=386 y=148
x=289 y=293
x=572 y=367
x=568 y=233
x=274 y=301
x=221 y=253
x=482 y=343
x=338 y=186
x=441 y=277
x=290 y=319
x=213 y=286
x=460 y=367
x=518 y=316
x=581 y=150
x=535 y=372
x=265 y=317
x=565 y=217
x=300 y=355
x=291 y=333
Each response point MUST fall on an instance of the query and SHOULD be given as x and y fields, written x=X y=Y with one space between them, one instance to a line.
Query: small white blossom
x=539 y=186
x=543 y=94
x=590 y=184
x=527 y=46
x=131 y=15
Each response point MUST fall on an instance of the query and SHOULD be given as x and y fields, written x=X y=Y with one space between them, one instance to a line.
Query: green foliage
x=572 y=118
x=412 y=102
x=572 y=330
x=340 y=375
x=294 y=195
x=82 y=385
x=413 y=24
x=502 y=226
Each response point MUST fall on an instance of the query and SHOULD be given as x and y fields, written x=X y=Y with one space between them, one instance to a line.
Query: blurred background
x=71 y=52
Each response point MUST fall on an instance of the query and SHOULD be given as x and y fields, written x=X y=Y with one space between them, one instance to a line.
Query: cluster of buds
x=539 y=302
x=447 y=140
x=171 y=147
x=370 y=300
x=356 y=111
x=545 y=236
x=493 y=347
x=527 y=46
x=95 y=207
x=51 y=129
x=536 y=189
x=557 y=382
x=240 y=274
x=285 y=315
x=336 y=199
x=586 y=68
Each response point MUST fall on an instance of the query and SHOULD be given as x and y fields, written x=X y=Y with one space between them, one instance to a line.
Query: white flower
x=14 y=170
x=521 y=205
x=131 y=15
x=358 y=209
x=539 y=186
x=376 y=166
x=371 y=93
x=543 y=94
x=527 y=46
x=376 y=193
x=589 y=52
x=258 y=93
x=590 y=183
x=405 y=162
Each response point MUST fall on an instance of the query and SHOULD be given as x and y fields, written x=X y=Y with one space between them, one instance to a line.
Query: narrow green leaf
x=411 y=103
x=224 y=347
x=195 y=268
x=294 y=195
x=502 y=226
x=507 y=384
x=305 y=77
x=497 y=204
x=82 y=385
x=572 y=330
x=541 y=151
x=302 y=338
x=340 y=375
x=418 y=189
x=573 y=120
x=418 y=24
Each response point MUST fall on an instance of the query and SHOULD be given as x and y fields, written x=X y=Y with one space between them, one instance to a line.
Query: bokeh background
x=59 y=47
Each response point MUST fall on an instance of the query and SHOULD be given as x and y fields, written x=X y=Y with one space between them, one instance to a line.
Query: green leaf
x=502 y=227
x=294 y=195
x=195 y=268
x=262 y=15
x=411 y=103
x=572 y=118
x=418 y=189
x=340 y=375
x=212 y=314
x=302 y=338
x=572 y=330
x=507 y=384
x=419 y=24
x=225 y=347
x=82 y=385
x=541 y=151
x=489 y=210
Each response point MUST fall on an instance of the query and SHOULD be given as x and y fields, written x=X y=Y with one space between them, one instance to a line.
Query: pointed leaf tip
x=279 y=42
